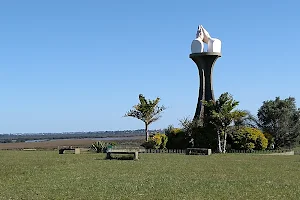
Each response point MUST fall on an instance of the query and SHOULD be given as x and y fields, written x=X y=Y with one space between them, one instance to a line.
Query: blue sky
x=80 y=65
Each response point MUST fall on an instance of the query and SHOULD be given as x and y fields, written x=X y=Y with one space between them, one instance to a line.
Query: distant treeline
x=9 y=138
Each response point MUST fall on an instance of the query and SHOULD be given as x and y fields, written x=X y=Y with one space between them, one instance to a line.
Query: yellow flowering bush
x=247 y=138
x=157 y=141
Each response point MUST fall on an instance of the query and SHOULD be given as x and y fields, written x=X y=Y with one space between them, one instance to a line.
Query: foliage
x=270 y=139
x=150 y=144
x=248 y=120
x=164 y=141
x=281 y=119
x=147 y=110
x=177 y=138
x=189 y=125
x=222 y=115
x=194 y=134
x=247 y=138
x=157 y=141
x=101 y=147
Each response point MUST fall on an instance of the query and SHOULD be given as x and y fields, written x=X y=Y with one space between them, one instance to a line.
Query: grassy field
x=48 y=175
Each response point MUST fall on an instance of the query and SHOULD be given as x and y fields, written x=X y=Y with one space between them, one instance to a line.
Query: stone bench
x=62 y=149
x=198 y=151
x=29 y=149
x=135 y=152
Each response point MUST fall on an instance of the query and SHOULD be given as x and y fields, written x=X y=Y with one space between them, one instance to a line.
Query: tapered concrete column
x=205 y=62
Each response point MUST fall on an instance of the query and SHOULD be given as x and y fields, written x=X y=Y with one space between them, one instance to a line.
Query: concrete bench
x=29 y=149
x=62 y=149
x=135 y=152
x=198 y=151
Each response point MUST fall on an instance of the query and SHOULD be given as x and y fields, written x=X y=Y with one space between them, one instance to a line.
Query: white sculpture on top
x=213 y=44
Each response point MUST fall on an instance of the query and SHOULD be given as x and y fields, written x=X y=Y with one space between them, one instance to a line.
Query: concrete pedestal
x=205 y=62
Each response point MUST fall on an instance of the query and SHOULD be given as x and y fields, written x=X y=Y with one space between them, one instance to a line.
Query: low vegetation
x=247 y=138
x=224 y=127
x=48 y=175
x=84 y=143
x=16 y=138
x=101 y=146
x=157 y=141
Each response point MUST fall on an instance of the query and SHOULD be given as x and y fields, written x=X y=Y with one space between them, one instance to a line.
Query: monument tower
x=205 y=62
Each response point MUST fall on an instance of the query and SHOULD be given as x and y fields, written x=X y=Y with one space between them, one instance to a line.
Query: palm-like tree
x=147 y=110
x=249 y=120
x=222 y=115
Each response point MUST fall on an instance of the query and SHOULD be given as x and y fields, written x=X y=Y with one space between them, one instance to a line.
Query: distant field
x=48 y=175
x=54 y=144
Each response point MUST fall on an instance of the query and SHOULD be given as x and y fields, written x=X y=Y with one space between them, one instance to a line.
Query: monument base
x=205 y=62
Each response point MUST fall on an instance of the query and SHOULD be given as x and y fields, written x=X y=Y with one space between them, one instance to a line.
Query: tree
x=248 y=120
x=222 y=115
x=147 y=110
x=281 y=119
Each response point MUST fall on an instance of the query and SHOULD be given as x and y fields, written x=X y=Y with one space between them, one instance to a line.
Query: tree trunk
x=225 y=141
x=219 y=142
x=146 y=131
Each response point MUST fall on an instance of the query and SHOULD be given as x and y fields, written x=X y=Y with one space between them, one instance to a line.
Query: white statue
x=197 y=44
x=213 y=44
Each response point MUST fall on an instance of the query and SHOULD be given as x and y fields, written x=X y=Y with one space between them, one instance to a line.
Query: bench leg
x=208 y=151
x=136 y=155
x=108 y=156
x=77 y=151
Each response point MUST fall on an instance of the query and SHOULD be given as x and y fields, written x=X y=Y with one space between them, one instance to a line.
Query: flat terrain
x=48 y=175
x=55 y=143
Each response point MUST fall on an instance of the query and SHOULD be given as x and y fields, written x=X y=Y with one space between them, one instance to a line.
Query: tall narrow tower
x=205 y=62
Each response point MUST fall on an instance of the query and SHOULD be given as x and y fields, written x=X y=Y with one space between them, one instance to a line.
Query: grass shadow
x=120 y=157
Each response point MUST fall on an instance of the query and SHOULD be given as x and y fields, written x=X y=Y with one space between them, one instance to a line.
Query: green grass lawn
x=48 y=175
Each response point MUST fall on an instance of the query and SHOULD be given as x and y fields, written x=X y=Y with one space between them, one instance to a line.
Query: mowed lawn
x=48 y=175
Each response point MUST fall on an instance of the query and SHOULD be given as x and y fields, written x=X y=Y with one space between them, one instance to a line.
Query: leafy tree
x=281 y=119
x=147 y=110
x=248 y=120
x=222 y=115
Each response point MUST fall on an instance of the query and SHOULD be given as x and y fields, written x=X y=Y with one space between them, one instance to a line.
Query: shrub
x=198 y=135
x=270 y=139
x=261 y=142
x=101 y=147
x=157 y=141
x=177 y=138
x=247 y=138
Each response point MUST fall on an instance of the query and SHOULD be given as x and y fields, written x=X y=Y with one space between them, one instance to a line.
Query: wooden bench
x=198 y=151
x=135 y=152
x=62 y=149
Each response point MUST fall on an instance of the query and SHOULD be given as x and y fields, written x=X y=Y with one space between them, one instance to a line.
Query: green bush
x=247 y=138
x=157 y=141
x=177 y=138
